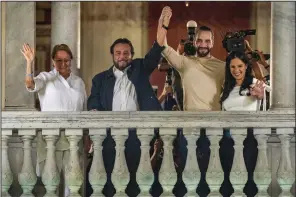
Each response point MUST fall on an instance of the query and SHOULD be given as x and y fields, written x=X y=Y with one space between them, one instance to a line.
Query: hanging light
x=187 y=3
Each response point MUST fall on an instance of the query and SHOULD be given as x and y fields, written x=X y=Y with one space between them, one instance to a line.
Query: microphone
x=191 y=29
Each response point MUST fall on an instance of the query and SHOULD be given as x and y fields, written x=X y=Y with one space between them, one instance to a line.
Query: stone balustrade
x=274 y=173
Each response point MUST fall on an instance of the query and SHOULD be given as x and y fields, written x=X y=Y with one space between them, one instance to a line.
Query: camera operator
x=171 y=91
x=261 y=68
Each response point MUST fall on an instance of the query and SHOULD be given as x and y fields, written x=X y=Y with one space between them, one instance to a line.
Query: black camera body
x=189 y=48
x=235 y=41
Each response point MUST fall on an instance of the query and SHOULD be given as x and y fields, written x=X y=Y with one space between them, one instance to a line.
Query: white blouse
x=59 y=94
x=236 y=102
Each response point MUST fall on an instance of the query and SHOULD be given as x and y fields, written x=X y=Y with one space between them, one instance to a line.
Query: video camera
x=235 y=41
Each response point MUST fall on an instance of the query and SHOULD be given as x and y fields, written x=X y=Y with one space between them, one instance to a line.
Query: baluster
x=50 y=175
x=215 y=174
x=285 y=173
x=73 y=170
x=7 y=176
x=27 y=177
x=97 y=173
x=167 y=173
x=120 y=175
x=262 y=173
x=191 y=173
x=239 y=174
x=145 y=176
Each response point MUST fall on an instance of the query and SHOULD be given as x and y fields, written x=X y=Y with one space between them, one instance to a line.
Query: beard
x=203 y=53
x=121 y=65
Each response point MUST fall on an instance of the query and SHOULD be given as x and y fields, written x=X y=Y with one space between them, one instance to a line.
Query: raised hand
x=248 y=47
x=165 y=16
x=258 y=89
x=164 y=19
x=28 y=52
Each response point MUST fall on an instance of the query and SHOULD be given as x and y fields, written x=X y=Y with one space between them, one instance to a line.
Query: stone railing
x=274 y=173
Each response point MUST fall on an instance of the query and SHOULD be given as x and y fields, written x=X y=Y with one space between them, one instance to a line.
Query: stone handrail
x=270 y=119
x=57 y=128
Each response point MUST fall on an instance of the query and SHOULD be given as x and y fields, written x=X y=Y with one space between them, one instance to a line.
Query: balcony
x=274 y=131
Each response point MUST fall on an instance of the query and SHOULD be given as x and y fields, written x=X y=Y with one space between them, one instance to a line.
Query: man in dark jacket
x=126 y=87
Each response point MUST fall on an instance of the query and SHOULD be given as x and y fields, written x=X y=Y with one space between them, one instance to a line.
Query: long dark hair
x=230 y=81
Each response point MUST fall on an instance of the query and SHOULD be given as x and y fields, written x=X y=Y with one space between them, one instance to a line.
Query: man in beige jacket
x=202 y=75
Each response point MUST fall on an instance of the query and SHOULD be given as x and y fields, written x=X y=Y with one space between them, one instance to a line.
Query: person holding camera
x=260 y=68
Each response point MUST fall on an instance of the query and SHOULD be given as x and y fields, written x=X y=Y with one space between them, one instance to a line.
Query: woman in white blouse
x=58 y=90
x=241 y=92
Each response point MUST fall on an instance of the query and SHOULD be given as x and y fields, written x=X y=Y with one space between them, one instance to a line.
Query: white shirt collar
x=117 y=70
x=58 y=74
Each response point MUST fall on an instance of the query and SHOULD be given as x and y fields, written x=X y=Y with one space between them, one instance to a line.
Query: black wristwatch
x=167 y=28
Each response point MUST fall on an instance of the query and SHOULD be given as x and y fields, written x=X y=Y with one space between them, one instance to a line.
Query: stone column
x=283 y=55
x=65 y=29
x=145 y=176
x=97 y=173
x=262 y=173
x=239 y=174
x=191 y=173
x=73 y=169
x=285 y=173
x=6 y=173
x=27 y=177
x=50 y=175
x=19 y=28
x=215 y=174
x=167 y=173
x=120 y=175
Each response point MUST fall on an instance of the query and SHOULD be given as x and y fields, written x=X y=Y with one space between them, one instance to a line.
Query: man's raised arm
x=153 y=57
x=172 y=56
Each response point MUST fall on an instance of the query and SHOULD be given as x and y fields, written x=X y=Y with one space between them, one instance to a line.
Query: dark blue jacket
x=101 y=97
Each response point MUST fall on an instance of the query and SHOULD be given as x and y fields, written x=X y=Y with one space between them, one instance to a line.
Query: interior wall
x=219 y=16
x=2 y=55
x=261 y=21
x=104 y=22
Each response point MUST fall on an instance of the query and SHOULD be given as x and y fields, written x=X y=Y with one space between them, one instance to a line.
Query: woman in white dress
x=241 y=92
x=58 y=90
